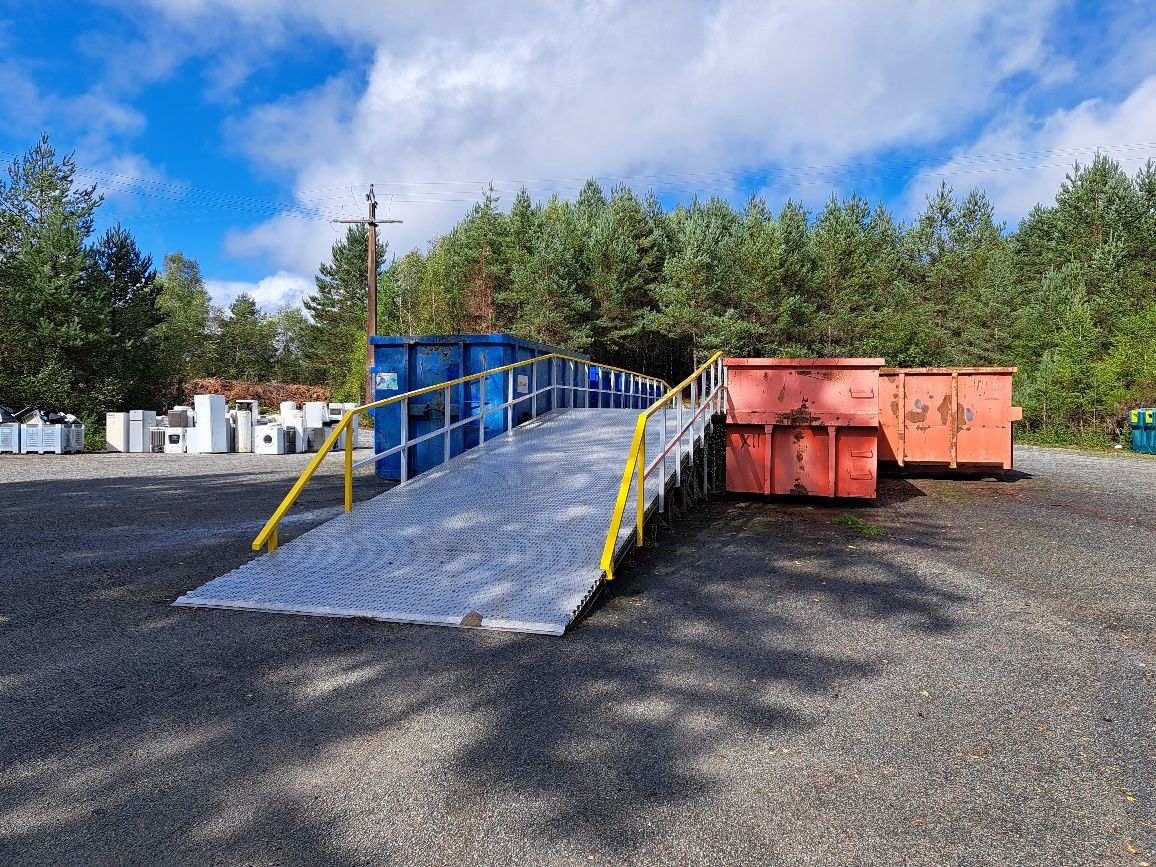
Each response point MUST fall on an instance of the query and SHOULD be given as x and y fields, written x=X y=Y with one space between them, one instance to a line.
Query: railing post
x=694 y=386
x=641 y=519
x=446 y=428
x=510 y=400
x=678 y=434
x=481 y=410
x=348 y=461
x=404 y=439
x=662 y=481
x=534 y=390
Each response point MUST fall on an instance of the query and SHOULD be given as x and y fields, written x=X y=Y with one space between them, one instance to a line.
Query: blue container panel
x=390 y=377
x=433 y=365
x=407 y=363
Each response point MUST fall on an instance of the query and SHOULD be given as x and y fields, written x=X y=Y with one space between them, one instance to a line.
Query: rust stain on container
x=944 y=409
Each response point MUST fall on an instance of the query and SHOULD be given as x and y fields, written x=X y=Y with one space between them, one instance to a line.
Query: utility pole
x=371 y=320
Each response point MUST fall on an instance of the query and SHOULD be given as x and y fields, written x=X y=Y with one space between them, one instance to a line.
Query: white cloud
x=269 y=293
x=1020 y=161
x=551 y=94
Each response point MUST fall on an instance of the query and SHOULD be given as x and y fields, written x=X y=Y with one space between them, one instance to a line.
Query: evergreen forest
x=89 y=324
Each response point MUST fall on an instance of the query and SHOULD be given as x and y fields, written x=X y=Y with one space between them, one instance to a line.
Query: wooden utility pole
x=371 y=319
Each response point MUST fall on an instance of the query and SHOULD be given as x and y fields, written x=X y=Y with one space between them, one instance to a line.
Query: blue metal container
x=402 y=364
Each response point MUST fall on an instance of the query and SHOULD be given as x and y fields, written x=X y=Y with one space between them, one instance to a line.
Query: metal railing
x=707 y=386
x=568 y=376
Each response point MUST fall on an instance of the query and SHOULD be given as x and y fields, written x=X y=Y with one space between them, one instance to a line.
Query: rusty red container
x=947 y=418
x=803 y=426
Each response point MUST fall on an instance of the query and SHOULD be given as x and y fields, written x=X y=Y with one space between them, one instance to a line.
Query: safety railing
x=566 y=377
x=707 y=389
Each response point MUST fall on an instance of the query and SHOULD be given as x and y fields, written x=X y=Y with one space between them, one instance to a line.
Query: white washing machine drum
x=267 y=439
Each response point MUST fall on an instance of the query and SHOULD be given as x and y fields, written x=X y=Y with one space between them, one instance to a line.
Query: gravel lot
x=764 y=687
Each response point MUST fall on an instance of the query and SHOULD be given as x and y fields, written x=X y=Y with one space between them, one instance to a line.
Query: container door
x=480 y=357
x=746 y=459
x=523 y=411
x=981 y=423
x=856 y=464
x=890 y=414
x=928 y=418
x=800 y=461
x=390 y=378
x=433 y=364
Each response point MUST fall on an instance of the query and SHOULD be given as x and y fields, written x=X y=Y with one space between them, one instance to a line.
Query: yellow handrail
x=636 y=466
x=268 y=535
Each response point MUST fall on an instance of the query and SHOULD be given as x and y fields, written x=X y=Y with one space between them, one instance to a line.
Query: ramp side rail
x=707 y=387
x=567 y=375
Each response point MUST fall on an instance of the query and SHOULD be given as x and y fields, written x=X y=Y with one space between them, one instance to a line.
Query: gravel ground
x=764 y=687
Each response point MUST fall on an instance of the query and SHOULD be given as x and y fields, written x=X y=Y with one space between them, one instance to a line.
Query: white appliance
x=314 y=415
x=211 y=436
x=291 y=417
x=354 y=426
x=139 y=422
x=176 y=440
x=10 y=437
x=116 y=431
x=157 y=439
x=254 y=409
x=269 y=440
x=244 y=430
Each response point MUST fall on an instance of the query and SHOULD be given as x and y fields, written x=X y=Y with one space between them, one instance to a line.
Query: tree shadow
x=141 y=733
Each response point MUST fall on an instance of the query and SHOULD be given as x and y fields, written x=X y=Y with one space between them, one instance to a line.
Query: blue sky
x=237 y=130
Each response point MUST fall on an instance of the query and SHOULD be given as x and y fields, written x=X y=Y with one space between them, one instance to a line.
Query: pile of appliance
x=32 y=430
x=210 y=427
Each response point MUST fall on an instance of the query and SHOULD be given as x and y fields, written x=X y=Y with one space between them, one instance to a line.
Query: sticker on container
x=523 y=384
x=386 y=381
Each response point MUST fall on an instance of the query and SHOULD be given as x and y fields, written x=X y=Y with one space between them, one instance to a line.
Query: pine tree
x=338 y=307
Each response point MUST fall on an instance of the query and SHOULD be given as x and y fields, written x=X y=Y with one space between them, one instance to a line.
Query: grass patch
x=859 y=526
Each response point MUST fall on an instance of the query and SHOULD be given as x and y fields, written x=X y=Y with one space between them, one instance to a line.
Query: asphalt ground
x=764 y=686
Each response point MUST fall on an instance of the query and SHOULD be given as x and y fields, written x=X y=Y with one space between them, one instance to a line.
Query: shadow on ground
x=141 y=733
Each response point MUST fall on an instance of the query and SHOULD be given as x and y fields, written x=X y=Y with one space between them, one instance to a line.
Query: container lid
x=942 y=370
x=807 y=363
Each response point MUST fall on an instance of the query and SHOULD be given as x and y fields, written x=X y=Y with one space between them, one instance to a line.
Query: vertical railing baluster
x=446 y=428
x=404 y=439
x=510 y=399
x=481 y=410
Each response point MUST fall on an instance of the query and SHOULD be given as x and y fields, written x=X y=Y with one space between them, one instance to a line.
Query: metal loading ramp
x=508 y=535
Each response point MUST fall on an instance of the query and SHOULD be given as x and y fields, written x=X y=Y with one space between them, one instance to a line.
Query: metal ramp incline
x=508 y=536
x=512 y=534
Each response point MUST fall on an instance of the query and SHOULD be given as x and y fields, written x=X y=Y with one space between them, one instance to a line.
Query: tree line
x=1068 y=297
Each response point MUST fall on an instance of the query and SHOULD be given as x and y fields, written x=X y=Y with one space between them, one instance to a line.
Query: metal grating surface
x=506 y=536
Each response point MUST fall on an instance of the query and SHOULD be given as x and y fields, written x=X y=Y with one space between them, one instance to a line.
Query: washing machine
x=269 y=439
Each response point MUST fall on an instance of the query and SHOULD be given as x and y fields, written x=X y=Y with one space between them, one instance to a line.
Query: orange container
x=948 y=418
x=803 y=426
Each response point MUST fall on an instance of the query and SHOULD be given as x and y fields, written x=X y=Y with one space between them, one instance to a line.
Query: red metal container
x=947 y=418
x=803 y=426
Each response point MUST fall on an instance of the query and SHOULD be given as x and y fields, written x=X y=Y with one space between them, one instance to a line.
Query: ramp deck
x=508 y=535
